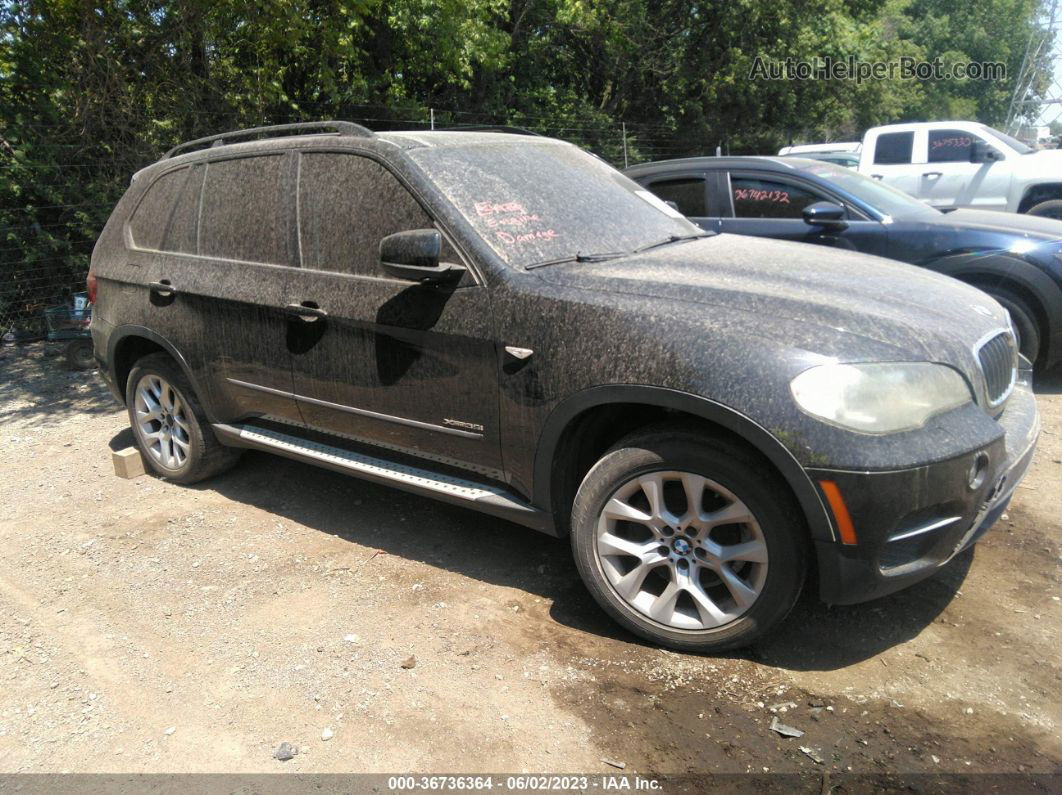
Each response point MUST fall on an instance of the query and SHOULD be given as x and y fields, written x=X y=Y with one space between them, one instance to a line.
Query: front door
x=949 y=179
x=772 y=205
x=394 y=363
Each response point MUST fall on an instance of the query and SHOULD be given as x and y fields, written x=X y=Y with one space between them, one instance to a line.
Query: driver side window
x=347 y=205
x=769 y=198
x=950 y=146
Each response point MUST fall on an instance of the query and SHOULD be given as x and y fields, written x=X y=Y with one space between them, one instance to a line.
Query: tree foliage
x=90 y=92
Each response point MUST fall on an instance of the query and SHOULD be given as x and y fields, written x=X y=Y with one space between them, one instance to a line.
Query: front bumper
x=908 y=523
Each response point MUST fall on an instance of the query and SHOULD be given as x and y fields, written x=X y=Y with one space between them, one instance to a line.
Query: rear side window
x=893 y=148
x=153 y=215
x=950 y=146
x=347 y=204
x=763 y=198
x=245 y=211
x=686 y=192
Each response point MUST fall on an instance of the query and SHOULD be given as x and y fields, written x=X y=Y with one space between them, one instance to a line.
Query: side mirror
x=825 y=214
x=673 y=205
x=414 y=256
x=980 y=152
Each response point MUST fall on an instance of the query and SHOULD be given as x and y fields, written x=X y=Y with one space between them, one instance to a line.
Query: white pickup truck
x=963 y=164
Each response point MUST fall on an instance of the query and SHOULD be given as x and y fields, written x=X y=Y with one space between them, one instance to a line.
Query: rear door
x=691 y=192
x=893 y=159
x=395 y=363
x=220 y=259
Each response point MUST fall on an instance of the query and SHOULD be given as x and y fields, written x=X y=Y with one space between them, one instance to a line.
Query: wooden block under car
x=127 y=463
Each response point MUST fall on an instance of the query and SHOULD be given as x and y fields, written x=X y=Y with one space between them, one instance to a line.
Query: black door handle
x=163 y=288
x=308 y=311
x=933 y=174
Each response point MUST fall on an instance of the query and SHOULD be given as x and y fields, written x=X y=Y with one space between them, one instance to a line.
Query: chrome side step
x=450 y=488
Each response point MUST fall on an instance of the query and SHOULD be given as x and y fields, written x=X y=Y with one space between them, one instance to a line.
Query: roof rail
x=343 y=128
x=498 y=128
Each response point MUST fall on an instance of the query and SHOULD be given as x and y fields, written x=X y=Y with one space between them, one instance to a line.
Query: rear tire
x=1052 y=208
x=1022 y=316
x=704 y=580
x=171 y=429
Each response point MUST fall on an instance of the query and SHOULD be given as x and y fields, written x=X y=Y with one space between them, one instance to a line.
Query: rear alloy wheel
x=162 y=423
x=171 y=429
x=688 y=541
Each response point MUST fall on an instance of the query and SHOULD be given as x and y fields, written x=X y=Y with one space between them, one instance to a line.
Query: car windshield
x=541 y=202
x=1013 y=143
x=886 y=199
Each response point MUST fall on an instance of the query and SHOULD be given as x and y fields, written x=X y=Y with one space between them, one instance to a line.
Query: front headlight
x=879 y=398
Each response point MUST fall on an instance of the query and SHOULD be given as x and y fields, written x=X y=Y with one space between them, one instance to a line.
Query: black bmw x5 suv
x=511 y=325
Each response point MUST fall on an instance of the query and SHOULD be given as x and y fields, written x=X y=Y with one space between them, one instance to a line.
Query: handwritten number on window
x=751 y=194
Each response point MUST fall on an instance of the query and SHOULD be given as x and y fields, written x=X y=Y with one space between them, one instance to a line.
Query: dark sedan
x=1017 y=259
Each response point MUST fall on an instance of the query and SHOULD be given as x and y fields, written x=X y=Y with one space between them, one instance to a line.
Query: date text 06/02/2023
x=524 y=783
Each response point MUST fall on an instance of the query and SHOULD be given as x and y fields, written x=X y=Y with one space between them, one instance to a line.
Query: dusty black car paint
x=493 y=375
x=1018 y=253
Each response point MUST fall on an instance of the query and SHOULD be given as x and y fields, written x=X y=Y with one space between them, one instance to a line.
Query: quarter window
x=894 y=148
x=245 y=211
x=763 y=198
x=687 y=193
x=153 y=216
x=347 y=204
x=950 y=146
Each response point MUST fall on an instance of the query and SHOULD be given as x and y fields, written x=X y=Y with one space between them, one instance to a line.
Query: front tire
x=688 y=541
x=1026 y=329
x=171 y=429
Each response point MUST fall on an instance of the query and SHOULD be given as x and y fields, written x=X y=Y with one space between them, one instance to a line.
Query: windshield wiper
x=579 y=257
x=672 y=239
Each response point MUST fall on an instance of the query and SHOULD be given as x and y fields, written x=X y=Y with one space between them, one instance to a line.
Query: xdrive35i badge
x=468 y=426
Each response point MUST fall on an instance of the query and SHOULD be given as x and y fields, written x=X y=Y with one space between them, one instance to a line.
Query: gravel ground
x=146 y=627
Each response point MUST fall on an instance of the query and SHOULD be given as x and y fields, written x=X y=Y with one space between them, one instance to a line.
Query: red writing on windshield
x=505 y=214
x=515 y=216
x=484 y=209
x=527 y=237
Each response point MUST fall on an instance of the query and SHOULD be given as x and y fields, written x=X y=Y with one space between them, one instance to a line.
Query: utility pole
x=624 y=144
x=1038 y=63
x=431 y=111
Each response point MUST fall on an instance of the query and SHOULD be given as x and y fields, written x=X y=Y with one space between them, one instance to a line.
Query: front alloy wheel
x=690 y=541
x=682 y=550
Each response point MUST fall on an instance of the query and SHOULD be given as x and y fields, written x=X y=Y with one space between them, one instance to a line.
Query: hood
x=791 y=289
x=1016 y=224
x=1043 y=162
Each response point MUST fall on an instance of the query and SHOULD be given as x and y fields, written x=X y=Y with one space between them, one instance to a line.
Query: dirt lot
x=146 y=627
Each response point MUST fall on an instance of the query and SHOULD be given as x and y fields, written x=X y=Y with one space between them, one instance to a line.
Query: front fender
x=566 y=412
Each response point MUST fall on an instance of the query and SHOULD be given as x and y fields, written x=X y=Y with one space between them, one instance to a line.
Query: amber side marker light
x=840 y=511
